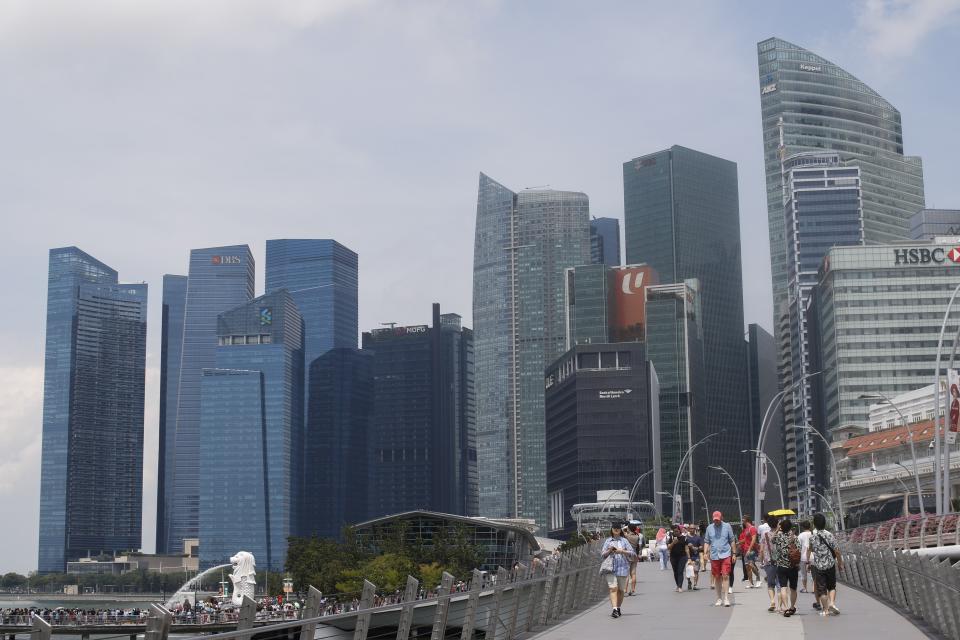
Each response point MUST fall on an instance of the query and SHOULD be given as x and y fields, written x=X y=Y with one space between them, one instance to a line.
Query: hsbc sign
x=926 y=255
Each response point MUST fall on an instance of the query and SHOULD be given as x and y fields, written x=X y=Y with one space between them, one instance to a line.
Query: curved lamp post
x=941 y=467
x=833 y=461
x=779 y=483
x=683 y=460
x=706 y=507
x=717 y=467
x=829 y=504
x=762 y=438
x=913 y=452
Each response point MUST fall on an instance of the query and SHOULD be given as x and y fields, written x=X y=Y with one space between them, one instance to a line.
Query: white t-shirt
x=804 y=539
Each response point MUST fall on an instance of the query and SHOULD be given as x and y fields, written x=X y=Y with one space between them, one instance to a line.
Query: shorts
x=788 y=576
x=750 y=557
x=720 y=567
x=826 y=580
x=696 y=564
x=770 y=572
x=616 y=582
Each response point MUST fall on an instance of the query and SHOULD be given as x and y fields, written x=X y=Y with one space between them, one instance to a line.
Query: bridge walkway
x=657 y=611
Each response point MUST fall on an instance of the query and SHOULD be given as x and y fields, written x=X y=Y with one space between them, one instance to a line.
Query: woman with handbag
x=615 y=566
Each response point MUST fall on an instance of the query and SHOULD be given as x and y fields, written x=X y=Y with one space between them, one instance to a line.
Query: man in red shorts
x=719 y=542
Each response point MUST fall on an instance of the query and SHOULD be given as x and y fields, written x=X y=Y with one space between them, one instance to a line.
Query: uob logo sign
x=637 y=283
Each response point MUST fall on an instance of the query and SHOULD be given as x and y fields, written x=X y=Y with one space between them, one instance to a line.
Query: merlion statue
x=244 y=576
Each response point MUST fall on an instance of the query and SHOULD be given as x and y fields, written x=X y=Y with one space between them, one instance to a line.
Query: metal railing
x=911 y=532
x=499 y=606
x=927 y=588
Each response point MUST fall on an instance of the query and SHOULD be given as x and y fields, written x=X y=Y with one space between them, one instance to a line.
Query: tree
x=13 y=581
x=430 y=575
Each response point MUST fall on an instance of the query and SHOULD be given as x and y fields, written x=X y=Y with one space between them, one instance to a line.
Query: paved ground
x=658 y=611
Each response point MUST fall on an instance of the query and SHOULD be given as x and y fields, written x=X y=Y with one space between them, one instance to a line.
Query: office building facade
x=927 y=224
x=171 y=347
x=600 y=429
x=605 y=241
x=606 y=304
x=251 y=433
x=823 y=208
x=524 y=243
x=810 y=104
x=91 y=487
x=682 y=219
x=219 y=279
x=337 y=437
x=423 y=452
x=880 y=309
x=762 y=358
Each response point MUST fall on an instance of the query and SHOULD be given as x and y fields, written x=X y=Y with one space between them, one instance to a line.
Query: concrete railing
x=499 y=606
x=926 y=587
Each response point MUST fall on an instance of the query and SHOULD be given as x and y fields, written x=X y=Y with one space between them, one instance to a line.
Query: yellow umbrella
x=783 y=512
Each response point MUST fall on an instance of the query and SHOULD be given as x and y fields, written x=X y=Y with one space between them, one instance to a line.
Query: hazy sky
x=140 y=130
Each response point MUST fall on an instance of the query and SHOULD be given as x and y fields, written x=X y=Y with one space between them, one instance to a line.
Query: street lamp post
x=683 y=460
x=735 y=487
x=636 y=485
x=913 y=452
x=706 y=507
x=776 y=471
x=833 y=462
x=829 y=504
x=942 y=484
x=761 y=439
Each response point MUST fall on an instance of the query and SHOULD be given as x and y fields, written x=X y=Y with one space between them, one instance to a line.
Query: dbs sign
x=628 y=301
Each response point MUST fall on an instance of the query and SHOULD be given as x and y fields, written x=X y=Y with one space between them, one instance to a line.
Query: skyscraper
x=817 y=106
x=336 y=441
x=91 y=487
x=171 y=348
x=524 y=242
x=251 y=433
x=220 y=278
x=762 y=365
x=605 y=241
x=682 y=219
x=823 y=208
x=423 y=452
x=926 y=224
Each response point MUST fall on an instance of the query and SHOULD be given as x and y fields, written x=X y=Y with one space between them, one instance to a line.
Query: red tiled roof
x=889 y=438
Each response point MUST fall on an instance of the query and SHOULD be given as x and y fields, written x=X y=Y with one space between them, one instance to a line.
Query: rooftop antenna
x=389 y=324
x=539 y=186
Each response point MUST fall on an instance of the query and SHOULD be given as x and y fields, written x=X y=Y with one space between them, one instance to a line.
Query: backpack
x=793 y=552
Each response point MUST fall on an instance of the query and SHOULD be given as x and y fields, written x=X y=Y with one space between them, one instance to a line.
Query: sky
x=139 y=130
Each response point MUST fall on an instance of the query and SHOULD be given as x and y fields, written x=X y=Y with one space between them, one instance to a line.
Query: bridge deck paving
x=658 y=611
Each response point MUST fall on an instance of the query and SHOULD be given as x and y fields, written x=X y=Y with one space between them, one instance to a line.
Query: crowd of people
x=784 y=558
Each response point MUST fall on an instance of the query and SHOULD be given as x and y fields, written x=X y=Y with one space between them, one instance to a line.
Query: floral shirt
x=621 y=562
x=820 y=543
x=781 y=548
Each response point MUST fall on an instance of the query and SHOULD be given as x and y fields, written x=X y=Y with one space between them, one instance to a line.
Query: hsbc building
x=878 y=311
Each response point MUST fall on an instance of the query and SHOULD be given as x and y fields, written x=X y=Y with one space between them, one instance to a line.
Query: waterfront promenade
x=657 y=611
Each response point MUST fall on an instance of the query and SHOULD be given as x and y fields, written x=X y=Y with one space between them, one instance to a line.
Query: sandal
x=787 y=613
x=772 y=608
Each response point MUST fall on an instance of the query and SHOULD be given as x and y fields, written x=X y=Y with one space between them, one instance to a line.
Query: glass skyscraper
x=91 y=487
x=423 y=452
x=822 y=208
x=927 y=224
x=171 y=348
x=251 y=433
x=336 y=441
x=605 y=241
x=524 y=243
x=682 y=219
x=220 y=278
x=810 y=104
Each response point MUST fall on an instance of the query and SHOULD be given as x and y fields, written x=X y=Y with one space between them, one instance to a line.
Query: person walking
x=695 y=551
x=631 y=533
x=786 y=555
x=618 y=550
x=804 y=539
x=825 y=559
x=678 y=556
x=662 y=547
x=765 y=534
x=748 y=553
x=719 y=541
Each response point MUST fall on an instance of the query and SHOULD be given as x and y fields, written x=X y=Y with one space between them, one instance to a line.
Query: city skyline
x=220 y=206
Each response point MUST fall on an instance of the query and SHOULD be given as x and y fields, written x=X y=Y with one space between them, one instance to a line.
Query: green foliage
x=430 y=575
x=575 y=540
x=13 y=581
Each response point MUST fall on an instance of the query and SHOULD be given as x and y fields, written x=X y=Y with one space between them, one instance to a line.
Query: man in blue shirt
x=719 y=541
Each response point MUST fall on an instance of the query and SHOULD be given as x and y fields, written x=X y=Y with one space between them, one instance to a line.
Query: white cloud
x=894 y=28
